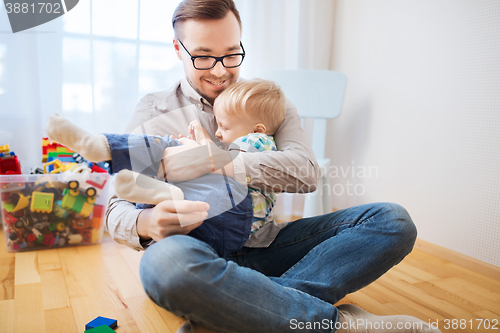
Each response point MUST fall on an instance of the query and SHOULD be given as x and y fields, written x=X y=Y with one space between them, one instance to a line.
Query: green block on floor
x=100 y=329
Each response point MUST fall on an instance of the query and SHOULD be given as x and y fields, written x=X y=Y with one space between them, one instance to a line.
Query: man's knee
x=405 y=224
x=400 y=224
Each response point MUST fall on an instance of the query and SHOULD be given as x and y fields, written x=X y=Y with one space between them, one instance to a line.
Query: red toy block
x=97 y=216
x=8 y=217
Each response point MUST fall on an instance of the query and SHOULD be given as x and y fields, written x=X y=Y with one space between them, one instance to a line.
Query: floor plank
x=60 y=290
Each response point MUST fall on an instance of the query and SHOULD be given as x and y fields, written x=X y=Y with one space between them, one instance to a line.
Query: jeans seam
x=359 y=223
x=310 y=236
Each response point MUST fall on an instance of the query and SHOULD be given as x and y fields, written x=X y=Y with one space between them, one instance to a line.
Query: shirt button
x=248 y=179
x=157 y=140
x=199 y=105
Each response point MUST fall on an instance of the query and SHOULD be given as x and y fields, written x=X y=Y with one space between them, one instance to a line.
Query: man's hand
x=165 y=219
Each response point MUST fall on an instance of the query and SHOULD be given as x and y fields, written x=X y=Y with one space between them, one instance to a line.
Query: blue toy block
x=99 y=321
x=100 y=329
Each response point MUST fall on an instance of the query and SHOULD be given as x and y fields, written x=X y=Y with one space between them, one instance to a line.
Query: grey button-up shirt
x=291 y=169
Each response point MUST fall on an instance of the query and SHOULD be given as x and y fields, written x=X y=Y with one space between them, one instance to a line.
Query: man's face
x=213 y=38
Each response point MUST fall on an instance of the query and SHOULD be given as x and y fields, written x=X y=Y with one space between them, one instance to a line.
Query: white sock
x=356 y=320
x=135 y=187
x=93 y=147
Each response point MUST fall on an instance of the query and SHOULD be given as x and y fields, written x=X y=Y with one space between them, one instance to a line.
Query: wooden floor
x=61 y=290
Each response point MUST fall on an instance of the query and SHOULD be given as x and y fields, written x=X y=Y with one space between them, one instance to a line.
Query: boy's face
x=213 y=38
x=231 y=127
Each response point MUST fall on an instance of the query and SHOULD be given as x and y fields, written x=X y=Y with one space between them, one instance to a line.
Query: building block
x=100 y=329
x=4 y=149
x=42 y=202
x=100 y=321
x=52 y=147
x=77 y=204
x=8 y=218
x=97 y=217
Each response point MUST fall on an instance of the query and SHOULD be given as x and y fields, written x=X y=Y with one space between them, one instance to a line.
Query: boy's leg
x=93 y=147
x=137 y=152
x=126 y=152
x=228 y=224
x=136 y=158
x=136 y=187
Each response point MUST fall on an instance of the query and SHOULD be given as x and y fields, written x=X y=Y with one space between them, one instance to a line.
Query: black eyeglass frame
x=217 y=59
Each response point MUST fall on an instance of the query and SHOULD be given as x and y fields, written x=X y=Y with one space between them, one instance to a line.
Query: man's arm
x=293 y=168
x=122 y=216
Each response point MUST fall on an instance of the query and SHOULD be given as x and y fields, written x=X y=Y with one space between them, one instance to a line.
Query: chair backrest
x=317 y=94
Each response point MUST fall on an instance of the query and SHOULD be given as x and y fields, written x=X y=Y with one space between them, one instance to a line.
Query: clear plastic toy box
x=53 y=210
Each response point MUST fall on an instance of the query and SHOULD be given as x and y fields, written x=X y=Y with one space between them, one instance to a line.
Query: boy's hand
x=198 y=133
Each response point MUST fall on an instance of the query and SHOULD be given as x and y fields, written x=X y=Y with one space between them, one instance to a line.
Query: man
x=288 y=276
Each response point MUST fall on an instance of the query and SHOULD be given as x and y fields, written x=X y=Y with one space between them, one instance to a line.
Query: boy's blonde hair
x=257 y=100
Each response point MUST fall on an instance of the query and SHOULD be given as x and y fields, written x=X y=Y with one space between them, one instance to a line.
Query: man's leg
x=186 y=277
x=335 y=254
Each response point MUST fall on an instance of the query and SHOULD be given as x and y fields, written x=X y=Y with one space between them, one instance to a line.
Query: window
x=114 y=52
x=3 y=56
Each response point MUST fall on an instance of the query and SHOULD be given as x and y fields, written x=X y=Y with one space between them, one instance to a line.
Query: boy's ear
x=260 y=128
x=177 y=48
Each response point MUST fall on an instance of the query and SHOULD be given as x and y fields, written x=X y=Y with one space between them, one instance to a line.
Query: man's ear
x=260 y=128
x=177 y=48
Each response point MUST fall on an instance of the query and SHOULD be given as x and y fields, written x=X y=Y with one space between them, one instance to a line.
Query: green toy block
x=100 y=329
x=76 y=203
x=8 y=207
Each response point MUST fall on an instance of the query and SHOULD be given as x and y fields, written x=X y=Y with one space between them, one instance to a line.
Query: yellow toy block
x=58 y=166
x=4 y=149
x=87 y=209
x=95 y=235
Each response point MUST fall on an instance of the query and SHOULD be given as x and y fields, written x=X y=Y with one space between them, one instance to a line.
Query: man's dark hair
x=202 y=10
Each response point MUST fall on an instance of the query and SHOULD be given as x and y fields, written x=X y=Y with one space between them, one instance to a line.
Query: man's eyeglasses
x=208 y=62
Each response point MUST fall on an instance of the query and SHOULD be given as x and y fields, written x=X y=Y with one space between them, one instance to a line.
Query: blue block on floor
x=100 y=329
x=99 y=321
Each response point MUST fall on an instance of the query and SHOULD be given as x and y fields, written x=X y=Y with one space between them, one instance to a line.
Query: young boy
x=247 y=113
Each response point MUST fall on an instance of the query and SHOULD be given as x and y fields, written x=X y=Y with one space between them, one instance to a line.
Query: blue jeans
x=229 y=220
x=312 y=264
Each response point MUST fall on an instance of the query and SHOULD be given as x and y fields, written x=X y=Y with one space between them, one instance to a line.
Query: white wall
x=421 y=120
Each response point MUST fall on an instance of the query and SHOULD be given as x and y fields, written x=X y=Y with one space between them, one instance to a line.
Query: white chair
x=317 y=94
